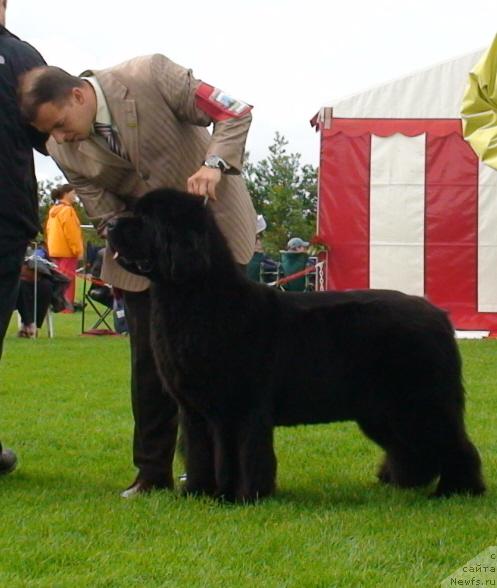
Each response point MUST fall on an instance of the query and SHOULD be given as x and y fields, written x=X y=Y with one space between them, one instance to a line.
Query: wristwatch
x=215 y=162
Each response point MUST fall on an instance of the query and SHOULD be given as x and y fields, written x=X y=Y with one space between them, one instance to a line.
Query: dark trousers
x=154 y=411
x=10 y=270
x=26 y=300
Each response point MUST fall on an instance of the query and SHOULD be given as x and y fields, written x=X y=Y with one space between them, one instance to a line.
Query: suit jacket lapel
x=123 y=112
x=97 y=148
x=124 y=115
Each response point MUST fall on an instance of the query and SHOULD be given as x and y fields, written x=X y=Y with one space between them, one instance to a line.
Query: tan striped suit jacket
x=152 y=103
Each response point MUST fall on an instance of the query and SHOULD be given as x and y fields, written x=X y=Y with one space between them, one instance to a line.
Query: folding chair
x=261 y=269
x=97 y=294
x=102 y=310
x=254 y=266
x=293 y=262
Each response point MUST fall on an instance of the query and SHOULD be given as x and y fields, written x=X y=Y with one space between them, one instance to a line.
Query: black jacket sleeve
x=22 y=58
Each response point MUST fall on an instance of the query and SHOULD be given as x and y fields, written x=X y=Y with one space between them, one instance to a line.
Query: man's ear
x=78 y=95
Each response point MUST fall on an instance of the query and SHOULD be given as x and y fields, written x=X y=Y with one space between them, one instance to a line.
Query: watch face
x=214 y=162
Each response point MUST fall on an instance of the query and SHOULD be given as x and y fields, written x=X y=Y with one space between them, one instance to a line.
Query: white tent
x=404 y=202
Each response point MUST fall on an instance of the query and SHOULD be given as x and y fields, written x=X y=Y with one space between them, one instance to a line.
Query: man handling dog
x=117 y=134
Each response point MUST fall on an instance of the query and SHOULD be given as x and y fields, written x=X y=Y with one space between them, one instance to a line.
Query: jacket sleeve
x=179 y=88
x=26 y=58
x=38 y=140
x=69 y=222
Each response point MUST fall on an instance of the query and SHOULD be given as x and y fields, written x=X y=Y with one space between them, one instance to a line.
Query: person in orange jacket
x=64 y=236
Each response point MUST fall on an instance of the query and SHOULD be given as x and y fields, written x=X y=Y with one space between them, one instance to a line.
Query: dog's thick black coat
x=241 y=358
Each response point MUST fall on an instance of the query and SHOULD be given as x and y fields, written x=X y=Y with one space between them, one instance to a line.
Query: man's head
x=297 y=244
x=58 y=103
x=3 y=8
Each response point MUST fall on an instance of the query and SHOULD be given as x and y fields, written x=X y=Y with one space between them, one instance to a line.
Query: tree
x=45 y=188
x=285 y=192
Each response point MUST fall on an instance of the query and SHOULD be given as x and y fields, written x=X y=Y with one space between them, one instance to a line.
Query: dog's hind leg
x=199 y=454
x=436 y=438
x=402 y=466
x=408 y=469
x=256 y=457
x=381 y=434
x=434 y=443
x=460 y=468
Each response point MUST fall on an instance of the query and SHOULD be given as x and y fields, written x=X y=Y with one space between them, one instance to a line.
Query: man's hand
x=204 y=182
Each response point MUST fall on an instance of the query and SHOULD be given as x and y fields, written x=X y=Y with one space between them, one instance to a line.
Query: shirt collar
x=103 y=113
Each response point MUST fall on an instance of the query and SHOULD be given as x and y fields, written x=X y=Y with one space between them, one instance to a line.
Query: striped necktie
x=107 y=132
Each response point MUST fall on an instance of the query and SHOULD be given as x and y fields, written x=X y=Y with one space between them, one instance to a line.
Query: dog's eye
x=144 y=266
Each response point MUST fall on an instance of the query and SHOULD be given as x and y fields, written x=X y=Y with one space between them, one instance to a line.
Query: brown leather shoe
x=141 y=486
x=8 y=461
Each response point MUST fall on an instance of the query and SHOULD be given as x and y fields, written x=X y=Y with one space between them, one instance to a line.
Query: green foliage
x=65 y=409
x=45 y=188
x=285 y=192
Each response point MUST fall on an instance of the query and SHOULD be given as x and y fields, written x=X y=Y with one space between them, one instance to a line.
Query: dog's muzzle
x=144 y=266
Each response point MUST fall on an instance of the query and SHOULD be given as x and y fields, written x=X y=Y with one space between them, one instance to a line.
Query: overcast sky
x=286 y=57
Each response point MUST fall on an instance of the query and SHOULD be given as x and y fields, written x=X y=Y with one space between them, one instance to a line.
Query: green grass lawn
x=64 y=408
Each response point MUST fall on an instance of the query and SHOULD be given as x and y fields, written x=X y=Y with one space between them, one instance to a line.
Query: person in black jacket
x=18 y=189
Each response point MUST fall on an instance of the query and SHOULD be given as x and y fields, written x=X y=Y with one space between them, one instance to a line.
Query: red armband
x=218 y=105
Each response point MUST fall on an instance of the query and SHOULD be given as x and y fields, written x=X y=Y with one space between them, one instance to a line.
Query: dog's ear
x=189 y=255
x=178 y=222
x=181 y=244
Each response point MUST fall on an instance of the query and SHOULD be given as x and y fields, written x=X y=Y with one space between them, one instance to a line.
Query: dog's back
x=344 y=353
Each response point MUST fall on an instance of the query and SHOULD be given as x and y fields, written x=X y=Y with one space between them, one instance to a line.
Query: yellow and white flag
x=479 y=107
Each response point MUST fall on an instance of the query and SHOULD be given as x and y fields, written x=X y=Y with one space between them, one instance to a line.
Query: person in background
x=297 y=245
x=64 y=237
x=26 y=305
x=41 y=250
x=295 y=259
x=41 y=281
x=261 y=268
x=18 y=190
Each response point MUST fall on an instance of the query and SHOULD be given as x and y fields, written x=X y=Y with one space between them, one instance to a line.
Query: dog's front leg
x=256 y=457
x=199 y=454
x=226 y=461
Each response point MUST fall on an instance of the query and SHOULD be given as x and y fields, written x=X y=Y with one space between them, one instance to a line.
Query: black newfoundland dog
x=241 y=358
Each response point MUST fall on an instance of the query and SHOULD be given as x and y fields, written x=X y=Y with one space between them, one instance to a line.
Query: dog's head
x=167 y=239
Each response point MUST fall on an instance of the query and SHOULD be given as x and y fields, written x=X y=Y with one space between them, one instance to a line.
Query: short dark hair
x=44 y=84
x=58 y=193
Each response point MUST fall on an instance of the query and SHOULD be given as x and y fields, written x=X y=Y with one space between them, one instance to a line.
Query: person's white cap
x=260 y=224
x=297 y=242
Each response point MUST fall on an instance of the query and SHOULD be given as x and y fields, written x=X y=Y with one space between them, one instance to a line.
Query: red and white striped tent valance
x=405 y=204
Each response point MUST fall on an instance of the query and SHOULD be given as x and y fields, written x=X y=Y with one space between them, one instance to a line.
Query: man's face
x=3 y=8
x=68 y=121
x=258 y=244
